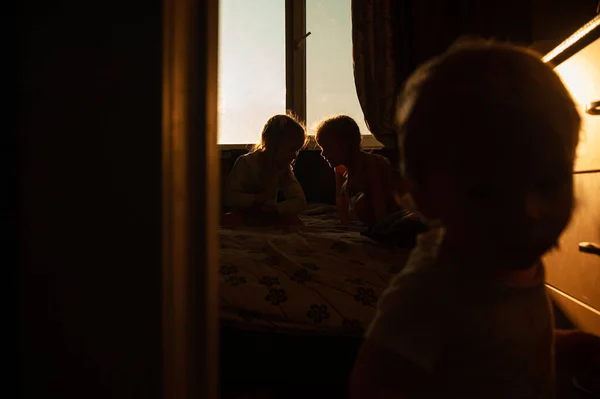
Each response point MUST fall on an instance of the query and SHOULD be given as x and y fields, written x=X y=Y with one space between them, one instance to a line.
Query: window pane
x=330 y=88
x=251 y=67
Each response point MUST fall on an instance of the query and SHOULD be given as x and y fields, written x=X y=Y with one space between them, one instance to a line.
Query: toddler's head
x=281 y=139
x=488 y=134
x=339 y=139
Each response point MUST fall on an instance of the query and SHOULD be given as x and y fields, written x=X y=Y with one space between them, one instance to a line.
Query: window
x=251 y=67
x=330 y=86
x=256 y=48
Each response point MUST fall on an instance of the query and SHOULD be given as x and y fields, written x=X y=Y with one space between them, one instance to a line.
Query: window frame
x=295 y=72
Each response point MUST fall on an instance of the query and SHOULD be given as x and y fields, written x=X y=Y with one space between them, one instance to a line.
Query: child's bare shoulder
x=378 y=162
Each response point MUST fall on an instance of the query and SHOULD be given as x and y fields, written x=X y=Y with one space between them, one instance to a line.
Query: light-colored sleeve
x=234 y=195
x=295 y=201
x=411 y=322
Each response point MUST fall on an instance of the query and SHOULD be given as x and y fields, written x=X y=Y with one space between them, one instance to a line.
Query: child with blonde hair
x=488 y=134
x=367 y=186
x=252 y=187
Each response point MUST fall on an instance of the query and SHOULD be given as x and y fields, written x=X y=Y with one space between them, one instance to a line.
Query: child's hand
x=577 y=351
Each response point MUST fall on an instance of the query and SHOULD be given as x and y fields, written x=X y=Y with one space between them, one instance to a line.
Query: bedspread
x=320 y=279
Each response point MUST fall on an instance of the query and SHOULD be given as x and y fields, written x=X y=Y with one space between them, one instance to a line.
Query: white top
x=483 y=340
x=246 y=179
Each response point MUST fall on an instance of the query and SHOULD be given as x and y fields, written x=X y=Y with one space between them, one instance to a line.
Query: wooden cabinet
x=568 y=269
x=574 y=275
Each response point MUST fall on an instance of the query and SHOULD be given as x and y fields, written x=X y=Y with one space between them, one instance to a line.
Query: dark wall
x=89 y=134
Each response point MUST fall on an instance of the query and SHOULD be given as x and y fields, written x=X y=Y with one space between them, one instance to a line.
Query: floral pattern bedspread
x=320 y=279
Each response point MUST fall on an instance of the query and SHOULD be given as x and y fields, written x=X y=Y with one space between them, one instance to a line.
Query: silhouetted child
x=367 y=186
x=256 y=179
x=488 y=136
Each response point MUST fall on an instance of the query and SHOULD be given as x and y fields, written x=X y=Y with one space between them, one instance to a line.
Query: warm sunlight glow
x=581 y=76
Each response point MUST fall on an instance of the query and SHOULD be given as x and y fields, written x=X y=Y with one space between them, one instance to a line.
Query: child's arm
x=379 y=199
x=380 y=373
x=341 y=196
x=379 y=175
x=234 y=195
x=295 y=201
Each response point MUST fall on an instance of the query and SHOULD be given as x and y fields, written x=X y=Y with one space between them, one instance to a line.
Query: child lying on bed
x=367 y=187
x=488 y=134
x=256 y=178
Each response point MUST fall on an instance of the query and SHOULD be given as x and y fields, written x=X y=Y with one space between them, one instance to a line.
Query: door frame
x=191 y=208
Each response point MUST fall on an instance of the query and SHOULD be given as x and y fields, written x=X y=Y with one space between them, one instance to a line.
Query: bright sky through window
x=330 y=88
x=252 y=78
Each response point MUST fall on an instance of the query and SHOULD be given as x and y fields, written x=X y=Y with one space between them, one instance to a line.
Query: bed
x=292 y=297
x=322 y=279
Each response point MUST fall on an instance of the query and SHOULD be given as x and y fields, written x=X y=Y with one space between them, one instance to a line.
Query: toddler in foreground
x=367 y=187
x=488 y=134
x=253 y=184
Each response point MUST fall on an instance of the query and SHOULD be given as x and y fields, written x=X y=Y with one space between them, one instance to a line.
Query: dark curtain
x=375 y=64
x=392 y=37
